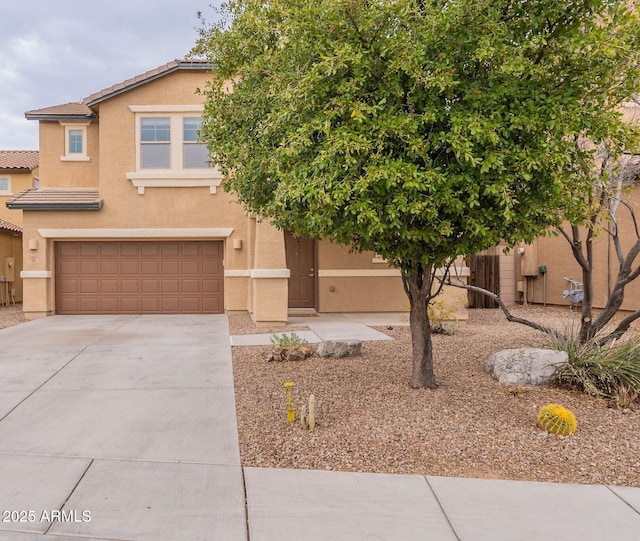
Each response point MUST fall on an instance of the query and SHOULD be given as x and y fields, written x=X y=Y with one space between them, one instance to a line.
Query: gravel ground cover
x=11 y=315
x=471 y=426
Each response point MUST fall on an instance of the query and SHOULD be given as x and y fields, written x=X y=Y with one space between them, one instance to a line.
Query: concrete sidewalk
x=292 y=505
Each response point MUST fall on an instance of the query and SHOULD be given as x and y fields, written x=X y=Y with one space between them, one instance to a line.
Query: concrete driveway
x=119 y=427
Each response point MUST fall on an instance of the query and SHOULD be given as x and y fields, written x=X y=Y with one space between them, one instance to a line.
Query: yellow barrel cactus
x=557 y=419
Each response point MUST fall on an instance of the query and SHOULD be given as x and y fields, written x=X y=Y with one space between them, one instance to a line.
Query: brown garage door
x=139 y=277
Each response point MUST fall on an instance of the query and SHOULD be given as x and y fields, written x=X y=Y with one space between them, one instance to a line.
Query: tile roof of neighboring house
x=146 y=77
x=8 y=226
x=19 y=160
x=56 y=199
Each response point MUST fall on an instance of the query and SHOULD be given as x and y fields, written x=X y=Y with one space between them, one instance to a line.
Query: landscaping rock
x=526 y=366
x=335 y=348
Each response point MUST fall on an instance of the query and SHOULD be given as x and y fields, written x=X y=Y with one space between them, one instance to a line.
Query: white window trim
x=8 y=190
x=176 y=176
x=75 y=156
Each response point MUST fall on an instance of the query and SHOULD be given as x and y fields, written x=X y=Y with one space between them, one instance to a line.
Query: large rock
x=526 y=366
x=335 y=348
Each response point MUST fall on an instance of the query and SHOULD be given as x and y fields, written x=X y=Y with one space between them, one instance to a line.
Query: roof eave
x=59 y=117
x=97 y=205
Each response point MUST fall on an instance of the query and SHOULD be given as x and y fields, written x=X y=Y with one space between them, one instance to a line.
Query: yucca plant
x=599 y=370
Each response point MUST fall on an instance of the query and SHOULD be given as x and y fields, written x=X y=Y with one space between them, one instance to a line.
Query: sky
x=60 y=51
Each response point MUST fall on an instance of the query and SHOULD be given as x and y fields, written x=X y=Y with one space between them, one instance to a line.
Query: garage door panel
x=191 y=286
x=109 y=267
x=109 y=305
x=170 y=249
x=129 y=286
x=105 y=249
x=171 y=285
x=171 y=304
x=109 y=286
x=150 y=286
x=130 y=305
x=191 y=267
x=89 y=286
x=139 y=277
x=150 y=267
x=150 y=304
x=211 y=286
x=130 y=267
x=170 y=267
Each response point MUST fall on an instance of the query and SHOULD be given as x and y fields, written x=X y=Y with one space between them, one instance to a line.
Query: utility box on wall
x=529 y=260
x=9 y=269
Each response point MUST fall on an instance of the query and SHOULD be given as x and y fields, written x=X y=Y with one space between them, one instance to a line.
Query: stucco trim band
x=364 y=273
x=135 y=233
x=236 y=273
x=270 y=273
x=35 y=274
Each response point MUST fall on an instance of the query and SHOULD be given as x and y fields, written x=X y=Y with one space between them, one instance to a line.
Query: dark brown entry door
x=300 y=261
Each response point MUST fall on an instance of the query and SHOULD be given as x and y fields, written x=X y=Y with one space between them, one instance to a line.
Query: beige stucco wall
x=362 y=282
x=56 y=172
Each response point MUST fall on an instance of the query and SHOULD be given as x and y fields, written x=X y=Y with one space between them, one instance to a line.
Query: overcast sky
x=59 y=51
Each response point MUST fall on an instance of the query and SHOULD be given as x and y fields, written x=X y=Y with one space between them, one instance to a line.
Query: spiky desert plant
x=557 y=419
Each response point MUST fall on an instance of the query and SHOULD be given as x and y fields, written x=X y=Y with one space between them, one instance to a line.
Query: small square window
x=75 y=143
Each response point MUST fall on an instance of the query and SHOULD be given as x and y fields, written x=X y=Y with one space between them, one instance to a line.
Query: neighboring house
x=130 y=217
x=18 y=170
x=539 y=273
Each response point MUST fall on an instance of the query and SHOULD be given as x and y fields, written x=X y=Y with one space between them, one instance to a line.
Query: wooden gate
x=485 y=273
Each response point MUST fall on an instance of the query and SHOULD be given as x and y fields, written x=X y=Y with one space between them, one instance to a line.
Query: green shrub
x=599 y=370
x=288 y=341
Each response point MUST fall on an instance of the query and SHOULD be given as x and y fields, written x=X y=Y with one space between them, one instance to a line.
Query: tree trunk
x=417 y=285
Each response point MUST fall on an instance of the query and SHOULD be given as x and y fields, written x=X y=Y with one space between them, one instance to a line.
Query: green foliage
x=412 y=129
x=557 y=419
x=288 y=341
x=610 y=371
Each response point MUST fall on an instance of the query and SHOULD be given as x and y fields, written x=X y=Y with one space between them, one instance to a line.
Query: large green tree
x=420 y=130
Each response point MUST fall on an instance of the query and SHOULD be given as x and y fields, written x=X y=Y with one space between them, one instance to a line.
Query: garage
x=127 y=277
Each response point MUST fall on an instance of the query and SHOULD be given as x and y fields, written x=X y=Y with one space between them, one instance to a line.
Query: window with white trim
x=169 y=151
x=75 y=142
x=171 y=142
x=5 y=186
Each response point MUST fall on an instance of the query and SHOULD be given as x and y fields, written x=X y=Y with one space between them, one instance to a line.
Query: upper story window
x=169 y=151
x=5 y=186
x=75 y=142
x=155 y=143
x=195 y=151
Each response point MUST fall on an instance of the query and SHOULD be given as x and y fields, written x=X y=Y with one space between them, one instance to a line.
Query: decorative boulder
x=526 y=366
x=335 y=348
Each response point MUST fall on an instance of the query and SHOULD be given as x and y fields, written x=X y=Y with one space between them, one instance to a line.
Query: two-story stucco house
x=130 y=217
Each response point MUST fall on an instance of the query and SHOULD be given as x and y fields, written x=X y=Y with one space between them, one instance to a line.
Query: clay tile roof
x=56 y=199
x=8 y=226
x=74 y=109
x=146 y=77
x=19 y=160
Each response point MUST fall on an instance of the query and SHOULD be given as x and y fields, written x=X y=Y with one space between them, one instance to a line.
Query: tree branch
x=510 y=317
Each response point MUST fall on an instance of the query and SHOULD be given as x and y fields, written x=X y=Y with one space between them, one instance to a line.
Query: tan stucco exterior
x=182 y=205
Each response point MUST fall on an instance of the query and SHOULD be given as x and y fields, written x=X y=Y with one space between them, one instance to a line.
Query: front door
x=300 y=261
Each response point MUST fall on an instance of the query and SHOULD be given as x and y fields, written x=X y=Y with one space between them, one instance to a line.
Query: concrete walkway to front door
x=119 y=427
